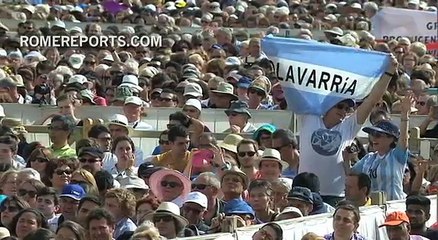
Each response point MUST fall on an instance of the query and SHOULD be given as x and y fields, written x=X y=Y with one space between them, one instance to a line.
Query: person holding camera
x=386 y=165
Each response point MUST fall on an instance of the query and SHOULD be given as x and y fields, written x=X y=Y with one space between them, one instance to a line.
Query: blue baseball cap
x=384 y=126
x=74 y=191
x=238 y=207
x=244 y=82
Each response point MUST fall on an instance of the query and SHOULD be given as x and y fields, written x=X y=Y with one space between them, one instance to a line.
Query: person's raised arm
x=364 y=110
x=425 y=124
x=406 y=105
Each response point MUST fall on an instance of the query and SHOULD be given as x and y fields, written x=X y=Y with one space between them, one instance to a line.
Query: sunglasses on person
x=170 y=184
x=23 y=192
x=164 y=218
x=89 y=160
x=63 y=171
x=258 y=92
x=9 y=209
x=89 y=62
x=199 y=186
x=40 y=160
x=243 y=154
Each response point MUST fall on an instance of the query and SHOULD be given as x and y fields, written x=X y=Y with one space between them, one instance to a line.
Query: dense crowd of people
x=106 y=187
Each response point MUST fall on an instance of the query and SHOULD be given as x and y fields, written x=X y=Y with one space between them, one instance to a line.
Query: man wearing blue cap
x=69 y=202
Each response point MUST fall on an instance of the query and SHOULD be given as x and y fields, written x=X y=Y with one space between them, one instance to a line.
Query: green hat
x=122 y=93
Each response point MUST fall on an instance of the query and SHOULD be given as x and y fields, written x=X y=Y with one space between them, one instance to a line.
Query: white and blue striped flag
x=316 y=76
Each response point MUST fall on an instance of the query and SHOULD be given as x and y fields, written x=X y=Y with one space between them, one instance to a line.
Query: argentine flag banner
x=316 y=76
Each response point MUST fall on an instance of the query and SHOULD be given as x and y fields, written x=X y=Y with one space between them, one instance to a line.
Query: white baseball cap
x=194 y=103
x=198 y=198
x=134 y=100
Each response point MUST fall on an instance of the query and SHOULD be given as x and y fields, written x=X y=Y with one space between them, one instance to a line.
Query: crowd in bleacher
x=103 y=186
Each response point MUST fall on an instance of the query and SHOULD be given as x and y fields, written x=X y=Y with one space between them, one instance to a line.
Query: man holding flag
x=328 y=121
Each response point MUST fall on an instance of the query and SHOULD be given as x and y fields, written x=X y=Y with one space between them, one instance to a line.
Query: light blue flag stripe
x=316 y=76
x=329 y=55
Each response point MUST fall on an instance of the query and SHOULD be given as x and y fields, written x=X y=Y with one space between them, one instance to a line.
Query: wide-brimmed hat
x=335 y=31
x=236 y=171
x=119 y=120
x=290 y=210
x=263 y=84
x=270 y=154
x=15 y=124
x=238 y=106
x=226 y=88
x=156 y=177
x=76 y=60
x=230 y=142
x=18 y=79
x=192 y=89
x=133 y=182
x=384 y=126
x=131 y=81
x=215 y=8
x=171 y=209
x=88 y=94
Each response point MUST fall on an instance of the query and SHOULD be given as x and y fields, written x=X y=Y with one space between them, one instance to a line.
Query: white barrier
x=294 y=229
x=215 y=119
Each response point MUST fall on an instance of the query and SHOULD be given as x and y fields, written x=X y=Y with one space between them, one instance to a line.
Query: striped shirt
x=386 y=172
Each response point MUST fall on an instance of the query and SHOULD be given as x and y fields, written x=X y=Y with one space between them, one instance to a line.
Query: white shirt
x=53 y=222
x=122 y=174
x=109 y=161
x=138 y=156
x=142 y=126
x=321 y=151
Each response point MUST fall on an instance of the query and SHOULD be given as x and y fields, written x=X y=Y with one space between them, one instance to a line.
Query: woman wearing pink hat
x=169 y=185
